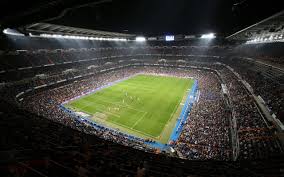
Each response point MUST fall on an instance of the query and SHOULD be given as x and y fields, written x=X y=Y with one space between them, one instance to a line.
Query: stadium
x=79 y=100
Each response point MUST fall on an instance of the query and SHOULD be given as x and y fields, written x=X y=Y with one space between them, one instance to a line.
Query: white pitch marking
x=139 y=120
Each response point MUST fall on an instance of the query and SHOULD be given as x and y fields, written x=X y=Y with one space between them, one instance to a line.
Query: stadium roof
x=141 y=17
x=18 y=13
x=66 y=30
x=271 y=26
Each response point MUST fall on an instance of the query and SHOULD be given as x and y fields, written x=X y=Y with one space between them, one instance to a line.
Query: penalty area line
x=143 y=133
x=139 y=120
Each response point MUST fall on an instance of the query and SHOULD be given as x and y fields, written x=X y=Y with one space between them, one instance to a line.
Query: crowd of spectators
x=270 y=89
x=206 y=132
x=216 y=127
x=33 y=146
x=255 y=134
x=47 y=104
x=276 y=61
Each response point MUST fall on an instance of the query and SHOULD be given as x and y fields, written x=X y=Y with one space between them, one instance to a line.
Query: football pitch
x=145 y=106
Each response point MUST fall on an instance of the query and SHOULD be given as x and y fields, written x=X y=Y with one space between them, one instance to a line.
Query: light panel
x=267 y=39
x=208 y=36
x=81 y=37
x=9 y=31
x=140 y=39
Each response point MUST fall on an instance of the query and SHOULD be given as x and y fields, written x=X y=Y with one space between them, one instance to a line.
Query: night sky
x=157 y=17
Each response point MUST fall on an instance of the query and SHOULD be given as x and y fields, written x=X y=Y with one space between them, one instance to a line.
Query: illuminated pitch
x=145 y=106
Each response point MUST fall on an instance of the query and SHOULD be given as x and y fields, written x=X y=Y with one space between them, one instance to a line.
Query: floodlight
x=9 y=31
x=208 y=36
x=80 y=37
x=140 y=39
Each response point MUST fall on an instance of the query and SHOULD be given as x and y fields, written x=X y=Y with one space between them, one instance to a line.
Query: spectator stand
x=191 y=98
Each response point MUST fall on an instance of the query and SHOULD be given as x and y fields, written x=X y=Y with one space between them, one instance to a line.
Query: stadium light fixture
x=9 y=31
x=81 y=37
x=208 y=36
x=31 y=35
x=266 y=39
x=140 y=39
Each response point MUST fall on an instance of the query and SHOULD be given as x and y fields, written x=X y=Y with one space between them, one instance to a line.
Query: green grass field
x=146 y=106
